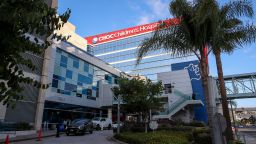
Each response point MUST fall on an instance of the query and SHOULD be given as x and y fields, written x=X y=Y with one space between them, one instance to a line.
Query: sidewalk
x=30 y=137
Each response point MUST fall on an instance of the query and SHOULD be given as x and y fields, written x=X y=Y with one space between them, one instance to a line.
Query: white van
x=101 y=123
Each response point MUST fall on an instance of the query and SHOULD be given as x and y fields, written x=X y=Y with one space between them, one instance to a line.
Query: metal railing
x=183 y=99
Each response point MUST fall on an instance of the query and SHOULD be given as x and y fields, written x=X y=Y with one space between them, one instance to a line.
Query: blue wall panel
x=194 y=73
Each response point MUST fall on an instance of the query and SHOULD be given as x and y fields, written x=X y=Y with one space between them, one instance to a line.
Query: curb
x=117 y=141
x=29 y=138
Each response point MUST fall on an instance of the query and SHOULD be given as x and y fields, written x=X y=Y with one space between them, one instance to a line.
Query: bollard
x=7 y=141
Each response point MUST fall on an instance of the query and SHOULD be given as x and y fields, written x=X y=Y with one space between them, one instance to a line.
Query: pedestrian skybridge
x=241 y=86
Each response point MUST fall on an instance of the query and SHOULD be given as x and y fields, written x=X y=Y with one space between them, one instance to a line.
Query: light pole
x=118 y=113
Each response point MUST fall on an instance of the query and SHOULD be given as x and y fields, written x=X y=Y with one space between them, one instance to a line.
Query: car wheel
x=91 y=131
x=109 y=126
x=67 y=134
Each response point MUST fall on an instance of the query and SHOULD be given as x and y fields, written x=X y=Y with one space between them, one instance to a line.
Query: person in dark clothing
x=58 y=130
x=58 y=125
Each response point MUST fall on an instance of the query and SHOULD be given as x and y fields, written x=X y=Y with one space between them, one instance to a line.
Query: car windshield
x=80 y=121
x=96 y=119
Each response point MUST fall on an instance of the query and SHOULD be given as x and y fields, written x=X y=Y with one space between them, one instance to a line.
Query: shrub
x=195 y=124
x=202 y=136
x=174 y=128
x=235 y=142
x=157 y=137
x=133 y=127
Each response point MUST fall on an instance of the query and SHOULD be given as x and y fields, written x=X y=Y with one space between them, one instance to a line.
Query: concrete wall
x=106 y=95
x=181 y=82
x=186 y=115
x=69 y=30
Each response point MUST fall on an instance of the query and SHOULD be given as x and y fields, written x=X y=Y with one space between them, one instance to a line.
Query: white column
x=42 y=92
x=2 y=111
x=110 y=113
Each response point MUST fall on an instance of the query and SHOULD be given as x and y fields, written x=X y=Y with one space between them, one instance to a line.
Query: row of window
x=116 y=47
x=124 y=41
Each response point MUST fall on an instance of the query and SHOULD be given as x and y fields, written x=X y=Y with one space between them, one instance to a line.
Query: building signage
x=110 y=36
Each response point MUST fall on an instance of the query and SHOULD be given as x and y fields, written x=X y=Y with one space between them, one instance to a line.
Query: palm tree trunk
x=229 y=134
x=204 y=75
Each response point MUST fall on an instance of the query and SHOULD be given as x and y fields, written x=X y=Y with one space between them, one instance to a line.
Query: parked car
x=114 y=124
x=80 y=126
x=101 y=123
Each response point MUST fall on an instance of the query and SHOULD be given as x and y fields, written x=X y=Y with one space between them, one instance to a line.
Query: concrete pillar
x=110 y=113
x=42 y=92
x=2 y=111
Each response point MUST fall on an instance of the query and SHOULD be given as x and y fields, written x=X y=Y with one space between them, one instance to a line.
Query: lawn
x=158 y=137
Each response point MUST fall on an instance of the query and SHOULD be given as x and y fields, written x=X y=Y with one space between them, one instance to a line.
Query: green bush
x=202 y=136
x=195 y=124
x=174 y=128
x=133 y=127
x=157 y=137
x=235 y=142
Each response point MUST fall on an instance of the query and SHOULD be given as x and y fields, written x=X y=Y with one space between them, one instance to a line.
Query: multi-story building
x=76 y=81
x=119 y=49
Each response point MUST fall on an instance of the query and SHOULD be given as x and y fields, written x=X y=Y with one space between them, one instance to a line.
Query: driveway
x=98 y=137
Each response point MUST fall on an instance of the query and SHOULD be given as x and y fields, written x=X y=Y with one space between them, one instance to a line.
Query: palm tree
x=229 y=33
x=191 y=35
x=202 y=24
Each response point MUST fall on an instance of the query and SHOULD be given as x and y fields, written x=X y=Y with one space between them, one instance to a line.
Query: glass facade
x=75 y=77
x=122 y=54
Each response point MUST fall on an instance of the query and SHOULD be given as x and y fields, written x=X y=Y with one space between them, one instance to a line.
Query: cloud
x=144 y=20
x=159 y=8
x=150 y=10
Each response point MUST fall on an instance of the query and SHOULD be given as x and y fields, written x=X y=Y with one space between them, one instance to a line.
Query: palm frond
x=179 y=8
x=238 y=8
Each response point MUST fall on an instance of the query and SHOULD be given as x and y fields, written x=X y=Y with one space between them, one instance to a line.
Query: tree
x=139 y=96
x=216 y=27
x=27 y=26
x=229 y=33
x=252 y=119
x=191 y=35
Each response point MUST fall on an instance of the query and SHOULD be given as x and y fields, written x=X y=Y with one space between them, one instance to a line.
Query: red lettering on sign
x=110 y=36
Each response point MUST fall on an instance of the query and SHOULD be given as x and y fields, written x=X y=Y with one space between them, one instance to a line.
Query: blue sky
x=98 y=16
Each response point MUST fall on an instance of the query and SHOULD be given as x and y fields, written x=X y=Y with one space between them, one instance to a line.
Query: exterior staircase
x=183 y=101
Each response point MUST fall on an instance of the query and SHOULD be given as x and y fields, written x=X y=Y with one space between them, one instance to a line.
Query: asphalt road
x=98 y=137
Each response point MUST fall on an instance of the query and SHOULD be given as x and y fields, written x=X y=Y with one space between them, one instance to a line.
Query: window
x=76 y=64
x=89 y=92
x=55 y=83
x=58 y=77
x=69 y=74
x=63 y=61
x=70 y=87
x=84 y=91
x=86 y=67
x=168 y=88
x=84 y=79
